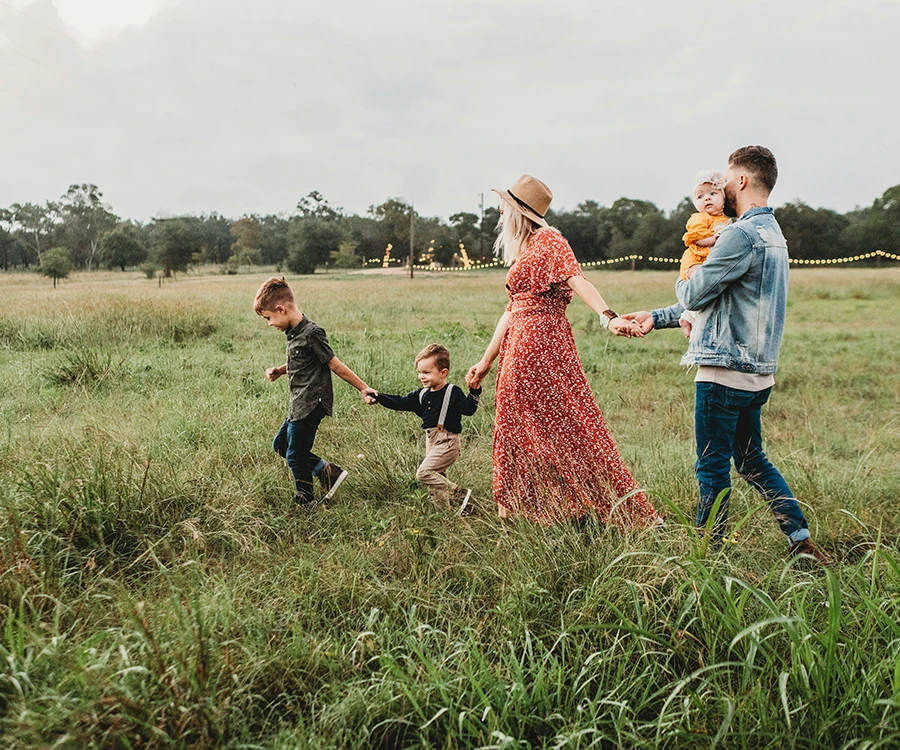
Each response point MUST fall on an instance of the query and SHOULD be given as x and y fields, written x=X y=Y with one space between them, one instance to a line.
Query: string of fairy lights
x=848 y=259
x=476 y=266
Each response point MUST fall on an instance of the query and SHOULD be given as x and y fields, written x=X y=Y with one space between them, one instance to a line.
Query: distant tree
x=812 y=232
x=345 y=256
x=247 y=235
x=637 y=227
x=435 y=241
x=315 y=234
x=311 y=241
x=876 y=227
x=886 y=216
x=56 y=263
x=679 y=216
x=35 y=226
x=177 y=243
x=245 y=250
x=273 y=238
x=85 y=218
x=392 y=219
x=464 y=222
x=464 y=228
x=122 y=247
x=488 y=230
x=314 y=206
x=368 y=234
x=670 y=243
x=8 y=241
x=215 y=237
x=587 y=229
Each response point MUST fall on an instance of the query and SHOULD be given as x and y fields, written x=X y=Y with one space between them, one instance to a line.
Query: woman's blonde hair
x=515 y=231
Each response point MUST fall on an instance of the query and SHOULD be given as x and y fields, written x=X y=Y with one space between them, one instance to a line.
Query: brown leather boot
x=806 y=547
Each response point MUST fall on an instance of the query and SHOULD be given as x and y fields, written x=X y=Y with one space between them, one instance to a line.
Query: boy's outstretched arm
x=409 y=402
x=345 y=373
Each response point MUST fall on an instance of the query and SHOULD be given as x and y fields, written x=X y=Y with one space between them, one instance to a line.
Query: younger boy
x=310 y=362
x=440 y=405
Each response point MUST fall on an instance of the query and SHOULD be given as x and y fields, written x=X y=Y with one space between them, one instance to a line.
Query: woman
x=554 y=459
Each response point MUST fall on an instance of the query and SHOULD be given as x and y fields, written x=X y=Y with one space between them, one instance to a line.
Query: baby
x=703 y=230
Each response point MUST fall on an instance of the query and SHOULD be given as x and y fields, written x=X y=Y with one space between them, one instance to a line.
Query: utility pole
x=412 y=238
x=481 y=224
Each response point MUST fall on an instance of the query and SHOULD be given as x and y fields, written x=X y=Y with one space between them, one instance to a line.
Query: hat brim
x=522 y=210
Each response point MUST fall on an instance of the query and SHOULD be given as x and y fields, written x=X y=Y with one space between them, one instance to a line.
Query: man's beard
x=728 y=209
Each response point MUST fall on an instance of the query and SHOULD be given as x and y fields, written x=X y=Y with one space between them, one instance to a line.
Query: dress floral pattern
x=553 y=456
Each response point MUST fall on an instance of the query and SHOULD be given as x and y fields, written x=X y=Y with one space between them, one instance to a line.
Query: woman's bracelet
x=607 y=316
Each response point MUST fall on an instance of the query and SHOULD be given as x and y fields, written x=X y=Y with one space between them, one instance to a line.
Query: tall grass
x=158 y=589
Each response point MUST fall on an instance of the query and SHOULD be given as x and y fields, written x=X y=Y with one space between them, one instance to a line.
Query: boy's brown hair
x=273 y=292
x=758 y=161
x=440 y=353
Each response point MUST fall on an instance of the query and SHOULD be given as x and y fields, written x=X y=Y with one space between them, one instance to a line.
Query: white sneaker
x=464 y=509
x=330 y=478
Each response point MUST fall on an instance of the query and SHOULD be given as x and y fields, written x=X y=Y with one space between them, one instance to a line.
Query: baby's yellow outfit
x=699 y=227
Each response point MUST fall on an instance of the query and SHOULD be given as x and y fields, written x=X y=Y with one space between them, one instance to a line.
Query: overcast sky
x=244 y=107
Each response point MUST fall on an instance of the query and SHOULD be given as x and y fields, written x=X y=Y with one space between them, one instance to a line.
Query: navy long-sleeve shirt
x=428 y=406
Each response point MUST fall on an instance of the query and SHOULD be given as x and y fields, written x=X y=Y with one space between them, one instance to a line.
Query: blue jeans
x=727 y=424
x=294 y=443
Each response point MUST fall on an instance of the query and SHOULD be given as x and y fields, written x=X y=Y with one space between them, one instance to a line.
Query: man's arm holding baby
x=730 y=261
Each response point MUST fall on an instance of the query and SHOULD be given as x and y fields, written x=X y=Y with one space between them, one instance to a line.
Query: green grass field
x=158 y=589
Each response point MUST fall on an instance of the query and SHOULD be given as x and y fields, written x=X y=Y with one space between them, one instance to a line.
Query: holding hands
x=624 y=327
x=642 y=319
x=476 y=374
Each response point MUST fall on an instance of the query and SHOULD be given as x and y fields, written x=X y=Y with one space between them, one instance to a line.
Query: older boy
x=441 y=406
x=310 y=362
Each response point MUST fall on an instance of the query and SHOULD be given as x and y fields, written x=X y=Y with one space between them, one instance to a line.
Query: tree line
x=80 y=230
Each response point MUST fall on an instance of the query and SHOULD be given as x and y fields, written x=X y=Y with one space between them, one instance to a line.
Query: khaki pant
x=441 y=451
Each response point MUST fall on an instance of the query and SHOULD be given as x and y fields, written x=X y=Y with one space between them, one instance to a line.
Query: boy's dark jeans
x=727 y=423
x=294 y=443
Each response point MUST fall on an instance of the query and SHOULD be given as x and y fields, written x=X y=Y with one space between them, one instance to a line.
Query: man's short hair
x=440 y=353
x=758 y=161
x=273 y=292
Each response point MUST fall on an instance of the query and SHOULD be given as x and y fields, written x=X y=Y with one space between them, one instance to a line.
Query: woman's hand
x=626 y=328
x=643 y=318
x=476 y=374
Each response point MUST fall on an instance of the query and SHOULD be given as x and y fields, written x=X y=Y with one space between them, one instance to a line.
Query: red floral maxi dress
x=554 y=458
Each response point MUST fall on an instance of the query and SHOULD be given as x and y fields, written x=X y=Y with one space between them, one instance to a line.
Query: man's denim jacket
x=740 y=296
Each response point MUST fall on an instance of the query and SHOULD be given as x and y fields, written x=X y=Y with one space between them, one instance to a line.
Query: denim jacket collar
x=755 y=211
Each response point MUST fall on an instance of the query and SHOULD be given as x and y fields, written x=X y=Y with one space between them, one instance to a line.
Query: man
x=740 y=295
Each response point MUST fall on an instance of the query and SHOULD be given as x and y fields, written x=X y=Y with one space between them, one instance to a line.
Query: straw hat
x=530 y=196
